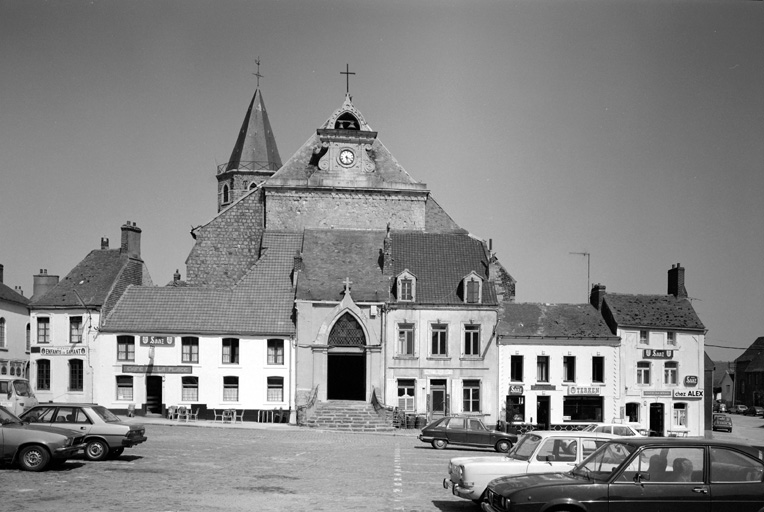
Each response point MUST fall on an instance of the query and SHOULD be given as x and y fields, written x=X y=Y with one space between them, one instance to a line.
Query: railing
x=250 y=166
x=304 y=410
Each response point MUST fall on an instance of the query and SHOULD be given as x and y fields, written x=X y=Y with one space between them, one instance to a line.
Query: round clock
x=347 y=157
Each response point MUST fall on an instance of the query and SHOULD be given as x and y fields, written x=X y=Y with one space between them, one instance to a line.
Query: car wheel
x=439 y=444
x=503 y=446
x=97 y=449
x=116 y=452
x=33 y=458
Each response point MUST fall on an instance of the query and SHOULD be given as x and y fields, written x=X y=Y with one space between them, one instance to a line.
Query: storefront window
x=582 y=408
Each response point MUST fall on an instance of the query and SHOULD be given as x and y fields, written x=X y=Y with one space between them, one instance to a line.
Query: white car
x=617 y=429
x=535 y=452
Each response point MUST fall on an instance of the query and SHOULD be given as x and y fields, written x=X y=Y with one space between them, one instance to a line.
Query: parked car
x=535 y=452
x=643 y=473
x=754 y=410
x=720 y=407
x=466 y=431
x=722 y=422
x=35 y=447
x=105 y=435
x=618 y=429
x=739 y=409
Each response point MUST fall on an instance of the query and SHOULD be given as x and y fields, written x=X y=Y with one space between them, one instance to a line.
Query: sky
x=629 y=130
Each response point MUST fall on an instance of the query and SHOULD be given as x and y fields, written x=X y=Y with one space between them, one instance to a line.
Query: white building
x=14 y=331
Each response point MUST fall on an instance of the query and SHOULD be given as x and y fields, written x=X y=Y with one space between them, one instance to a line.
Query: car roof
x=65 y=404
x=679 y=441
x=568 y=433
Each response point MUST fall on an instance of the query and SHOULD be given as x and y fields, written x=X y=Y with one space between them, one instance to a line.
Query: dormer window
x=473 y=289
x=406 y=285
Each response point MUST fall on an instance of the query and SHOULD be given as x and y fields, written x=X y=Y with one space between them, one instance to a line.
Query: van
x=16 y=394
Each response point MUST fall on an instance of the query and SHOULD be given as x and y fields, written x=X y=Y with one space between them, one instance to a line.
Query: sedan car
x=643 y=473
x=466 y=431
x=35 y=447
x=618 y=429
x=535 y=452
x=722 y=422
x=754 y=410
x=739 y=409
x=105 y=435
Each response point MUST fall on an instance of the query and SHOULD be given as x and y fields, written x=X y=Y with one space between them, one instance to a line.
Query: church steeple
x=254 y=158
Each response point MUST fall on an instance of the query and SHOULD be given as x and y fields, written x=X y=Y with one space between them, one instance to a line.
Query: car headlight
x=69 y=442
x=505 y=503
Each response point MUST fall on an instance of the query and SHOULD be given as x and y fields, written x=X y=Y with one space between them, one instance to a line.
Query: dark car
x=35 y=447
x=105 y=434
x=739 y=409
x=722 y=422
x=754 y=410
x=643 y=473
x=466 y=431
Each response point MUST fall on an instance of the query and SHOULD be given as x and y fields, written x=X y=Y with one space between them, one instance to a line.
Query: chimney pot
x=597 y=295
x=104 y=243
x=676 y=282
x=131 y=240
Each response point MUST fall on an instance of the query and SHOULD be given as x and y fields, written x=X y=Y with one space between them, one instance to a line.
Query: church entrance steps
x=348 y=415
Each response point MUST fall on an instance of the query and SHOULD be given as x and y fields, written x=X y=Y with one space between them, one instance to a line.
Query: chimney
x=676 y=282
x=176 y=277
x=597 y=295
x=42 y=283
x=18 y=290
x=104 y=243
x=2 y=268
x=131 y=240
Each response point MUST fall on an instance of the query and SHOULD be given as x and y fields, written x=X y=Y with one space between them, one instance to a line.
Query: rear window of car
x=105 y=414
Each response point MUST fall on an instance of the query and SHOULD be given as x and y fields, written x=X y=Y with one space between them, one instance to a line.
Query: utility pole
x=588 y=269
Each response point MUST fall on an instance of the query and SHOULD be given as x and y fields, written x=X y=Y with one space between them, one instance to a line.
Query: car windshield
x=105 y=414
x=604 y=461
x=524 y=447
x=7 y=417
x=590 y=428
x=22 y=388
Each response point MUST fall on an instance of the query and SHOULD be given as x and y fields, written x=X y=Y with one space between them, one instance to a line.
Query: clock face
x=347 y=157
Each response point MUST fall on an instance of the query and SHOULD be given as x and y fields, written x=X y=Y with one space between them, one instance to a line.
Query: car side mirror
x=549 y=458
x=639 y=477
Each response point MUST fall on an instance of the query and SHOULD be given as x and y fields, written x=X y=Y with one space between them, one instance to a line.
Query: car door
x=555 y=455
x=736 y=481
x=456 y=431
x=73 y=418
x=477 y=434
x=673 y=478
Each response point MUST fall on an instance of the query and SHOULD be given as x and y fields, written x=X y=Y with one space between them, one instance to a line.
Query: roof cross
x=347 y=282
x=257 y=74
x=347 y=74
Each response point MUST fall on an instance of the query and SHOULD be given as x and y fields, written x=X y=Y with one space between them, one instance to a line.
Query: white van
x=16 y=394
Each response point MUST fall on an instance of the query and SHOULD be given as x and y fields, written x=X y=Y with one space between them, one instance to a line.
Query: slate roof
x=440 y=261
x=530 y=320
x=261 y=303
x=9 y=295
x=754 y=356
x=332 y=255
x=94 y=278
x=656 y=311
x=256 y=143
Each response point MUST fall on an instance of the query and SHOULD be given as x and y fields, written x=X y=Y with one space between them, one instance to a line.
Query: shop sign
x=152 y=369
x=63 y=351
x=650 y=353
x=688 y=393
x=157 y=341
x=656 y=394
x=691 y=380
x=594 y=390
x=515 y=390
x=543 y=387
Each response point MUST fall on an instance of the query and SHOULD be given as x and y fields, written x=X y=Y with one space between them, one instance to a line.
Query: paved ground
x=211 y=467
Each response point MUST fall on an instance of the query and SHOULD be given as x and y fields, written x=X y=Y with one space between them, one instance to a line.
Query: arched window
x=225 y=193
x=347 y=332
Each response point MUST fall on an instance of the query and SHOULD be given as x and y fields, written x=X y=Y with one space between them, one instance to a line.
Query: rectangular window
x=29 y=339
x=2 y=332
x=276 y=351
x=43 y=374
x=680 y=414
x=598 y=369
x=76 y=375
x=230 y=351
x=471 y=396
x=190 y=391
x=407 y=289
x=406 y=394
x=230 y=389
x=643 y=338
x=516 y=368
x=671 y=338
x=439 y=340
x=75 y=329
x=124 y=387
x=643 y=373
x=190 y=349
x=582 y=408
x=472 y=340
x=670 y=370
x=43 y=330
x=542 y=368
x=569 y=368
x=405 y=339
x=473 y=292
x=275 y=389
x=125 y=348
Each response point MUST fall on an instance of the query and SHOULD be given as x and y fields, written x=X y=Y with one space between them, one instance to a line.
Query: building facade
x=14 y=331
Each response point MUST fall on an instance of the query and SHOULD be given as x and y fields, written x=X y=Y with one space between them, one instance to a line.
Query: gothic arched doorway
x=346 y=364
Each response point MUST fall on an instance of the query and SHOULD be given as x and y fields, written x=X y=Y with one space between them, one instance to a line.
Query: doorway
x=656 y=418
x=438 y=399
x=154 y=394
x=542 y=412
x=346 y=376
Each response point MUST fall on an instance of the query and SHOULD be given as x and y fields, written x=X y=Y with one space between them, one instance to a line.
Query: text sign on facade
x=650 y=353
x=515 y=390
x=594 y=390
x=688 y=393
x=157 y=341
x=651 y=393
x=63 y=351
x=691 y=380
x=543 y=387
x=146 y=368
